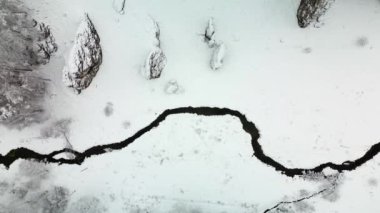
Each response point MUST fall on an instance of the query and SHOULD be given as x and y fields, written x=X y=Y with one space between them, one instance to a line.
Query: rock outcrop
x=310 y=11
x=85 y=57
x=24 y=44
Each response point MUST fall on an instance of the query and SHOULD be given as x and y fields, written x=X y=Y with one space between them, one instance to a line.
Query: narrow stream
x=248 y=126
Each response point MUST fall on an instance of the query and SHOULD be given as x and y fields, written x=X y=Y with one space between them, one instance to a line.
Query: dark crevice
x=325 y=191
x=248 y=126
x=296 y=201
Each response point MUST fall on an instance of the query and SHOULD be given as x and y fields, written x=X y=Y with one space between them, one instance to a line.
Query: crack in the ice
x=330 y=189
x=248 y=126
x=296 y=201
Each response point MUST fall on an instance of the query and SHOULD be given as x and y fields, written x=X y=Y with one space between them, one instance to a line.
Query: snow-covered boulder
x=209 y=35
x=156 y=60
x=219 y=49
x=85 y=57
x=310 y=11
x=154 y=64
x=218 y=56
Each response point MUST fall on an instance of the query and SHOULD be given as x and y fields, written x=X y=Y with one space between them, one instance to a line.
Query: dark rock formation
x=310 y=11
x=24 y=44
x=85 y=57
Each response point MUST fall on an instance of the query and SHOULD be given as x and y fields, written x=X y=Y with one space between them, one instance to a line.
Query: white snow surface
x=310 y=108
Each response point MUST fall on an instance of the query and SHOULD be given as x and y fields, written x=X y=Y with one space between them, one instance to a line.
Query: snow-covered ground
x=312 y=93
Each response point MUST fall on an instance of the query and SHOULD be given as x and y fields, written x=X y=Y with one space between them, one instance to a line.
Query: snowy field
x=313 y=93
